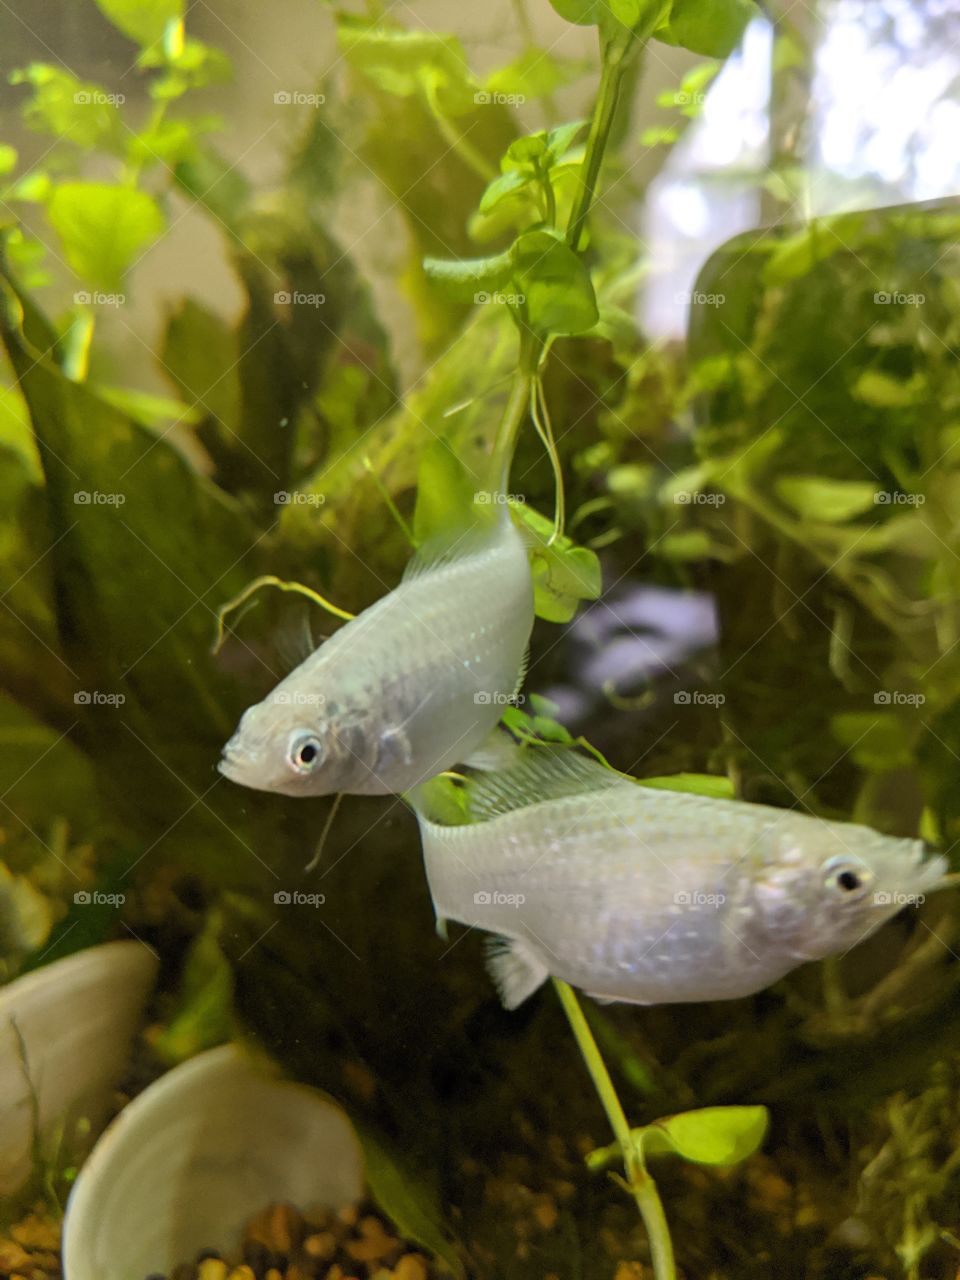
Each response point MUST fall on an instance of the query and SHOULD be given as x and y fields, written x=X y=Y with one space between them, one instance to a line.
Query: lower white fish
x=654 y=896
x=408 y=688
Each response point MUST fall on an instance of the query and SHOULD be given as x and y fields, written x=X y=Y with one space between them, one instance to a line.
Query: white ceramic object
x=65 y=1035
x=199 y=1152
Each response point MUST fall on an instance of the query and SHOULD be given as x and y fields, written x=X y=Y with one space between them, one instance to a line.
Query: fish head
x=822 y=892
x=288 y=743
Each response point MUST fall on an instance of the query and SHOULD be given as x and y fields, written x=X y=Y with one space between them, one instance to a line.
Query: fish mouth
x=233 y=765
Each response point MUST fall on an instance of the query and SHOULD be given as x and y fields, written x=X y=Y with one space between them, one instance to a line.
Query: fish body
x=654 y=896
x=406 y=689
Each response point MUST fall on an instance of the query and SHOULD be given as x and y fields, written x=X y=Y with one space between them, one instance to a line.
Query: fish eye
x=305 y=753
x=847 y=877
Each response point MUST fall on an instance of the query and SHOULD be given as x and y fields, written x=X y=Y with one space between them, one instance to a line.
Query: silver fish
x=654 y=896
x=408 y=688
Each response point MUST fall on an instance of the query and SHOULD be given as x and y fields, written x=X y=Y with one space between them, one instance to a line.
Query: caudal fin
x=515 y=970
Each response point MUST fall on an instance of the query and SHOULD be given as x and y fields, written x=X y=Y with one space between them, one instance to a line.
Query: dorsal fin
x=456 y=545
x=542 y=773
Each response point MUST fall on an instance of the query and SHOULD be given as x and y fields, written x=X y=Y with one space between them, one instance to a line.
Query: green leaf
x=406 y=1195
x=8 y=159
x=469 y=277
x=103 y=229
x=714 y=1135
x=821 y=498
x=711 y=27
x=203 y=1016
x=583 y=12
x=504 y=187
x=533 y=75
x=875 y=739
x=555 y=284
x=66 y=107
x=563 y=573
x=405 y=62
x=144 y=21
x=881 y=391
x=698 y=784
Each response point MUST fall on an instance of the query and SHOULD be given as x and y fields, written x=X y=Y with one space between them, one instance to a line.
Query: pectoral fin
x=515 y=969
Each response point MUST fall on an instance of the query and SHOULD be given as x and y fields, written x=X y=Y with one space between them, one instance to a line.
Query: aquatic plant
x=291 y=445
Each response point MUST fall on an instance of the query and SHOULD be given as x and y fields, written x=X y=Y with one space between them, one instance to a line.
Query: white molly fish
x=654 y=896
x=406 y=689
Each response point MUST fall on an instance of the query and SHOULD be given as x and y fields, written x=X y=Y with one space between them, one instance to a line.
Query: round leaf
x=103 y=229
x=714 y=1135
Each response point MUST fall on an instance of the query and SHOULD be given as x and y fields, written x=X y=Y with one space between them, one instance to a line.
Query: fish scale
x=655 y=896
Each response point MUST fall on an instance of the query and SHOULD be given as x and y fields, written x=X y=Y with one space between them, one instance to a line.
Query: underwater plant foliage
x=288 y=442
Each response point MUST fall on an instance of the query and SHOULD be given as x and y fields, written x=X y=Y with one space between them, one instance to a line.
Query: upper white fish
x=406 y=689
x=654 y=896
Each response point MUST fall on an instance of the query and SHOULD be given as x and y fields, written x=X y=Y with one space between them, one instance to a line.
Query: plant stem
x=515 y=410
x=611 y=77
x=458 y=142
x=641 y=1185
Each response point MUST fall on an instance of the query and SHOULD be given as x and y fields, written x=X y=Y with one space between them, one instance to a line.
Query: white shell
x=74 y=1021
x=183 y=1167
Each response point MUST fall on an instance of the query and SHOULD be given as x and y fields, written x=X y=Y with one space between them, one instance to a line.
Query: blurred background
x=223 y=358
